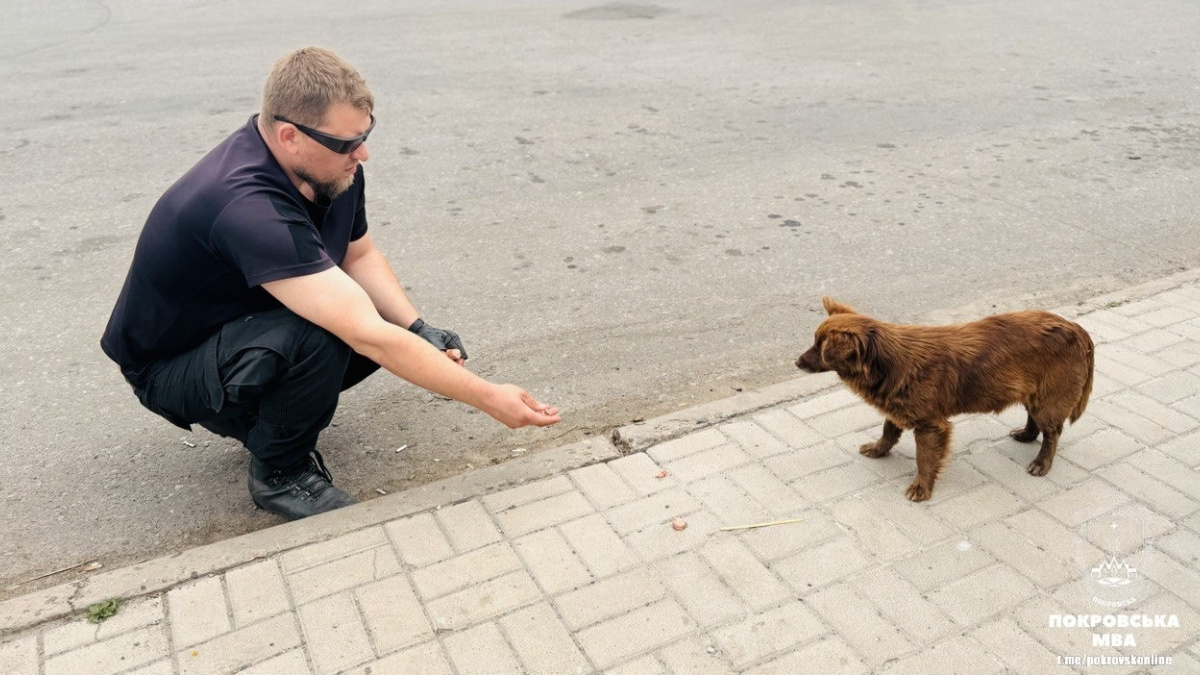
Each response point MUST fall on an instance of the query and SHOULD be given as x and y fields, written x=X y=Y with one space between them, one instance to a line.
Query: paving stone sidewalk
x=581 y=571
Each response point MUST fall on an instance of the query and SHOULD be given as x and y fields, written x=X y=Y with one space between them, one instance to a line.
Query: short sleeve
x=268 y=237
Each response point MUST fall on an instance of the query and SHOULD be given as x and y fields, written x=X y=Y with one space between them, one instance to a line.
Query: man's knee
x=315 y=341
x=263 y=351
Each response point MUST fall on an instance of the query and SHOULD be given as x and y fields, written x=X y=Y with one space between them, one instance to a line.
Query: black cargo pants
x=270 y=380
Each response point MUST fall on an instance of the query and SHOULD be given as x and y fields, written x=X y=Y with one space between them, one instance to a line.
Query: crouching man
x=256 y=296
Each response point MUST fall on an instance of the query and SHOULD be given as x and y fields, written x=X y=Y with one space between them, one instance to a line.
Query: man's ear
x=834 y=307
x=285 y=136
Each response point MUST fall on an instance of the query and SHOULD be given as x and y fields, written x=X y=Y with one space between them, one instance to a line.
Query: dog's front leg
x=933 y=446
x=881 y=447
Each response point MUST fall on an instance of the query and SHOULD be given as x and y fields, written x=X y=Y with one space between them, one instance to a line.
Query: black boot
x=304 y=490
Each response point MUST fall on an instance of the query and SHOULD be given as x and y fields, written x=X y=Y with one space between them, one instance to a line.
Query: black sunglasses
x=342 y=146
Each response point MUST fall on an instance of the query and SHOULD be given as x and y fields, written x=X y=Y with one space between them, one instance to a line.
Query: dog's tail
x=1087 y=385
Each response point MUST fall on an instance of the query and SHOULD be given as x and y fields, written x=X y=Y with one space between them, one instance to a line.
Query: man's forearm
x=341 y=305
x=408 y=356
x=372 y=272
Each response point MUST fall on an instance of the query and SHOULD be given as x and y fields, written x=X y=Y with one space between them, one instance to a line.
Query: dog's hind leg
x=881 y=447
x=933 y=446
x=1051 y=430
x=1027 y=433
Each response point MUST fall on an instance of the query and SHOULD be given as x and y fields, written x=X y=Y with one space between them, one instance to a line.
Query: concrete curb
x=637 y=437
x=154 y=576
x=1128 y=295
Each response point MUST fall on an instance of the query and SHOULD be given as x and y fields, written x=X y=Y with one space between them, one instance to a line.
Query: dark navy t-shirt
x=230 y=224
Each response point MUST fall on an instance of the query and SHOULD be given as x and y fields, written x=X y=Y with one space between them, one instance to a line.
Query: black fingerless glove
x=438 y=337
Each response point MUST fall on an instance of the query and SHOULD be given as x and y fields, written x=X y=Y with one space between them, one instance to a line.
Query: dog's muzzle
x=810 y=362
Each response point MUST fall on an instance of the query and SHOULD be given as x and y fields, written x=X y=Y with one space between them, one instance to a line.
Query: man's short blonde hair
x=304 y=84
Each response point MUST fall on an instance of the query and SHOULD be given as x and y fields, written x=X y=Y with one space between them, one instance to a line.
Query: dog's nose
x=809 y=362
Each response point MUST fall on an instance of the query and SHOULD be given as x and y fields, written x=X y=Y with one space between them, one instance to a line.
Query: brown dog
x=919 y=376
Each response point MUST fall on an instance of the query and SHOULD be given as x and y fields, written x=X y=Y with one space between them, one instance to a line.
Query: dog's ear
x=850 y=353
x=834 y=307
x=843 y=352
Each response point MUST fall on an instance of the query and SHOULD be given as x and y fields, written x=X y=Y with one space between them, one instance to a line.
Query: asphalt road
x=626 y=208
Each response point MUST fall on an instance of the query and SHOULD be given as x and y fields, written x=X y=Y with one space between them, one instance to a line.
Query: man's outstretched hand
x=516 y=408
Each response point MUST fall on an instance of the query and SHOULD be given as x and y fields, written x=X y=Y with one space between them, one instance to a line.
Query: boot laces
x=319 y=465
x=316 y=465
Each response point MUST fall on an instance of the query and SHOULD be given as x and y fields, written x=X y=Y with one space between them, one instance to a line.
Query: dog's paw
x=1021 y=434
x=918 y=493
x=873 y=450
x=1038 y=468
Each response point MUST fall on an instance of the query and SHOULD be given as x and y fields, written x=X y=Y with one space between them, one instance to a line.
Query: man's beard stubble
x=322 y=189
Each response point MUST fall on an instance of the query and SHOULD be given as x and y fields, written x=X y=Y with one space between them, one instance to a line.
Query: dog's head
x=843 y=343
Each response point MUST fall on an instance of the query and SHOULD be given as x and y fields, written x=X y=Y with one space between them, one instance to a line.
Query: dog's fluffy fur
x=919 y=376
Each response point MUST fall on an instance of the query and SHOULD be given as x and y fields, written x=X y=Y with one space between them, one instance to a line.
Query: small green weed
x=103 y=610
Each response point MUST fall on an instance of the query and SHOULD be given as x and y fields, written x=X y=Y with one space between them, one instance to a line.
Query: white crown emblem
x=1113 y=572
